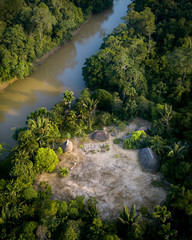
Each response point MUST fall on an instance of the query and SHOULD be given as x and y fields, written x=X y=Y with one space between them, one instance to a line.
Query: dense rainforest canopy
x=29 y=29
x=144 y=68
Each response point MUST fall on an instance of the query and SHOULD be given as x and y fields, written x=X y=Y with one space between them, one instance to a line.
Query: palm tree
x=166 y=114
x=17 y=210
x=89 y=105
x=68 y=98
x=166 y=232
x=9 y=212
x=43 y=130
x=88 y=109
x=161 y=213
x=20 y=154
x=129 y=218
x=176 y=152
x=80 y=128
x=129 y=92
x=5 y=213
x=129 y=222
x=27 y=144
x=157 y=144
x=57 y=115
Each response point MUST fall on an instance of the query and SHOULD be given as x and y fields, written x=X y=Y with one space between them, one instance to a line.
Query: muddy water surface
x=60 y=71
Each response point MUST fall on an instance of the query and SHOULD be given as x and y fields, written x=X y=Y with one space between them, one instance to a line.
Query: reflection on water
x=60 y=71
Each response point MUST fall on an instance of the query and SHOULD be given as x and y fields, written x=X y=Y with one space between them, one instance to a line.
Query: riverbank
x=4 y=85
x=38 y=62
x=61 y=71
x=42 y=59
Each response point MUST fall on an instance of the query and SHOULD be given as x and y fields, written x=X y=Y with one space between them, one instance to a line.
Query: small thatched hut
x=67 y=146
x=100 y=136
x=148 y=159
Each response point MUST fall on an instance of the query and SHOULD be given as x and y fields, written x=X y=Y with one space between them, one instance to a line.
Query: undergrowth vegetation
x=142 y=69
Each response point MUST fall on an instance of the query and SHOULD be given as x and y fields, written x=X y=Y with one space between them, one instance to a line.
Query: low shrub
x=138 y=139
x=117 y=141
x=63 y=172
x=59 y=150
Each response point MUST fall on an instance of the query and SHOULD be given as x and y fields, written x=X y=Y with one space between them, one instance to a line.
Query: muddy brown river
x=61 y=71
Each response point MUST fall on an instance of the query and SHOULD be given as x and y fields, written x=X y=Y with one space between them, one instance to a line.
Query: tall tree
x=68 y=98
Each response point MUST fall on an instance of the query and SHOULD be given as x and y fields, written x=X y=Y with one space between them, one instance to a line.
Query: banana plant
x=5 y=214
x=129 y=218
x=161 y=213
x=9 y=212
x=176 y=152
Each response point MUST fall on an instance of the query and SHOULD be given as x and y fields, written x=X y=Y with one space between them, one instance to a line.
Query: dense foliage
x=147 y=63
x=45 y=160
x=143 y=69
x=29 y=29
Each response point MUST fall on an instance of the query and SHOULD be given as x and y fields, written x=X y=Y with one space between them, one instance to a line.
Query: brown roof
x=100 y=135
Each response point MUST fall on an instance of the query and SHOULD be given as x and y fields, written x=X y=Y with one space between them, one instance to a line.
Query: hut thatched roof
x=67 y=146
x=148 y=159
x=100 y=135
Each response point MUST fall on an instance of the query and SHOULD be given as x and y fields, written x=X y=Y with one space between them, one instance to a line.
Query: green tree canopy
x=45 y=160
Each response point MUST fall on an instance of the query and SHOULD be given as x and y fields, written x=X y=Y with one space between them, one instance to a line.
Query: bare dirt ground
x=109 y=173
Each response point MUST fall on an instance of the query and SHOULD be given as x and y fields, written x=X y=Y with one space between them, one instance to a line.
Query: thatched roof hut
x=100 y=136
x=148 y=159
x=67 y=146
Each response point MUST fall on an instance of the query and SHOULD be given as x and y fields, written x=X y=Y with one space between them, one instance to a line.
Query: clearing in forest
x=106 y=171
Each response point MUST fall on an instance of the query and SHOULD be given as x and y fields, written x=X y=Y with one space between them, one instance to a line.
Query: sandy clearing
x=114 y=177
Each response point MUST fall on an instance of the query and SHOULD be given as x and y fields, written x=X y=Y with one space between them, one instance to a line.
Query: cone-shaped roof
x=148 y=159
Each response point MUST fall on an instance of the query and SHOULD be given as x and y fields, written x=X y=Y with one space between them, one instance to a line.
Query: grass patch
x=105 y=148
x=117 y=141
